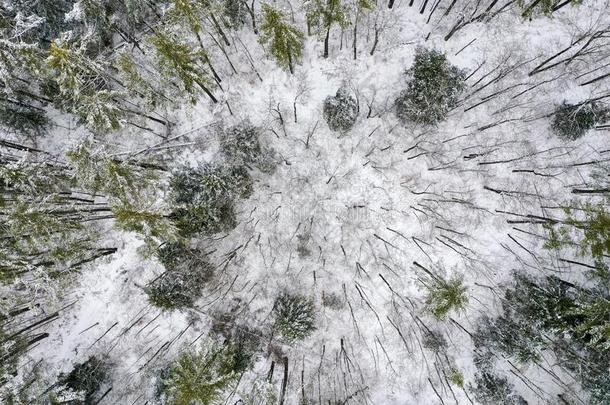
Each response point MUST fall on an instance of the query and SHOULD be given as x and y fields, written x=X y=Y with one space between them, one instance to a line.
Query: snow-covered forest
x=333 y=202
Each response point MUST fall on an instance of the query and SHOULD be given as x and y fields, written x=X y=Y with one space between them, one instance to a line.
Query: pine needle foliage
x=340 y=111
x=295 y=316
x=204 y=198
x=187 y=272
x=432 y=90
x=572 y=121
x=285 y=41
x=445 y=296
x=201 y=377
x=81 y=385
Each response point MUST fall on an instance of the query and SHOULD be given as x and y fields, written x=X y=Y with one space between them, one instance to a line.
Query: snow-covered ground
x=348 y=215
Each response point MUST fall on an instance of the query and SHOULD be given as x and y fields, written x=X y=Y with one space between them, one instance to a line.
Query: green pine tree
x=285 y=41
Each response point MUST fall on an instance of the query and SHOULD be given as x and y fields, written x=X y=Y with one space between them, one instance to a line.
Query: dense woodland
x=304 y=202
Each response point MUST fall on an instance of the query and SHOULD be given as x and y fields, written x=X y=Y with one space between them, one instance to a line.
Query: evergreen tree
x=43 y=225
x=586 y=226
x=179 y=60
x=323 y=14
x=545 y=7
x=84 y=88
x=201 y=377
x=433 y=89
x=340 y=111
x=187 y=272
x=571 y=121
x=294 y=316
x=241 y=146
x=285 y=41
x=204 y=198
x=446 y=295
x=81 y=386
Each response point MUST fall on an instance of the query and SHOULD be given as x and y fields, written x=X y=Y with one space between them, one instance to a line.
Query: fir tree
x=340 y=111
x=81 y=386
x=433 y=89
x=83 y=86
x=179 y=60
x=294 y=317
x=445 y=296
x=241 y=146
x=285 y=41
x=323 y=14
x=201 y=376
x=204 y=198
x=187 y=272
x=572 y=121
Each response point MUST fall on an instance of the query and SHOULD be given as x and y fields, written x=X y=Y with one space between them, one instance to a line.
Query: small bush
x=294 y=317
x=433 y=89
x=205 y=198
x=187 y=272
x=571 y=121
x=445 y=296
x=340 y=111
x=201 y=377
x=241 y=145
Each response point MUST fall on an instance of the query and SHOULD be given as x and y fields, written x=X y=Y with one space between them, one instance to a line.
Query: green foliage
x=322 y=14
x=204 y=198
x=241 y=145
x=187 y=272
x=201 y=377
x=543 y=7
x=456 y=377
x=40 y=226
x=586 y=226
x=83 y=86
x=295 y=316
x=551 y=314
x=572 y=121
x=177 y=60
x=433 y=89
x=285 y=41
x=446 y=295
x=81 y=385
x=340 y=111
x=491 y=389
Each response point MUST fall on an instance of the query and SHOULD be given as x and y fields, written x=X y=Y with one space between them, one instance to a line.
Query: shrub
x=571 y=121
x=187 y=271
x=241 y=145
x=205 y=198
x=445 y=296
x=433 y=89
x=294 y=317
x=340 y=111
x=200 y=377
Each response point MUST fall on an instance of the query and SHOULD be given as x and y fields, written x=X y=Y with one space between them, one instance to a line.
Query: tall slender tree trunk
x=220 y=30
x=355 y=39
x=326 y=38
x=290 y=62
